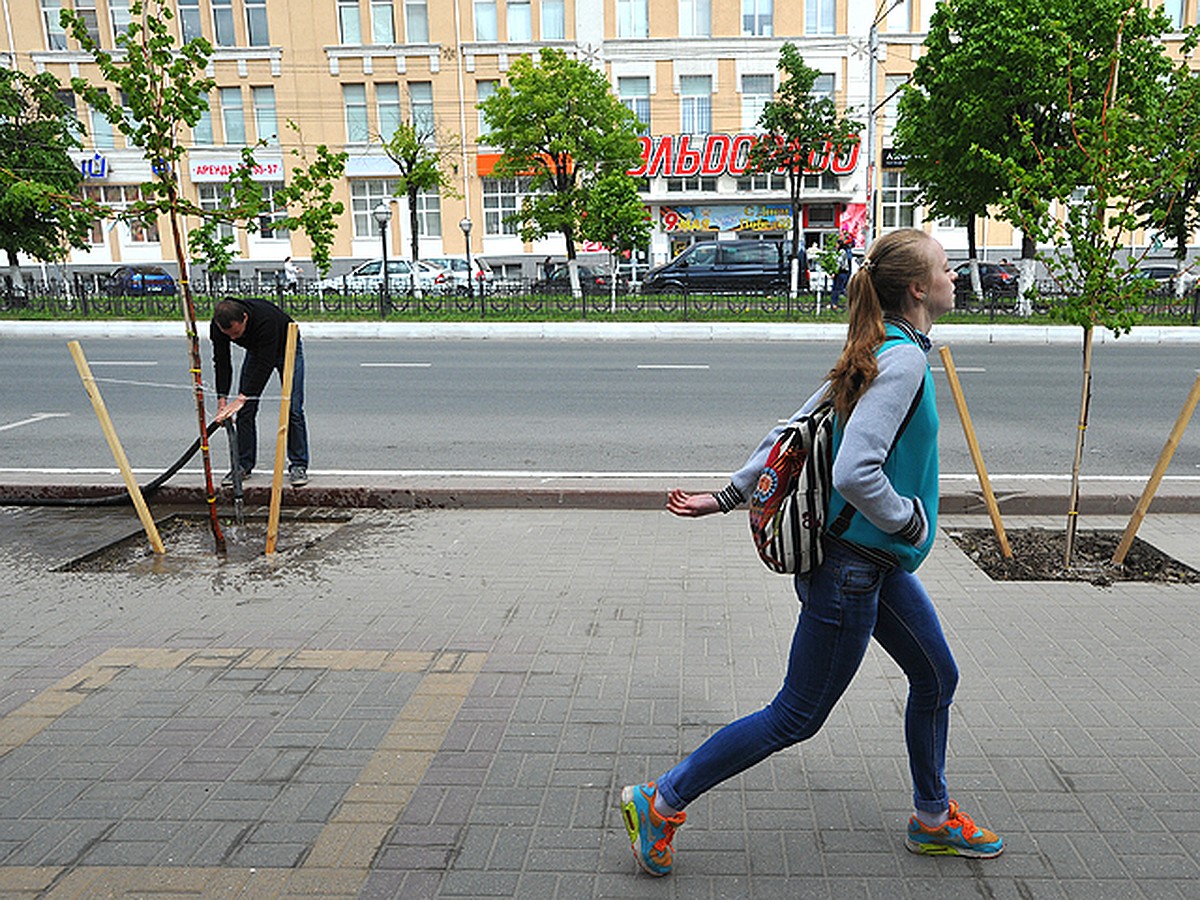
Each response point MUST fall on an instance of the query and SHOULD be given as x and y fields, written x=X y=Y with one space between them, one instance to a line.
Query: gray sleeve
x=745 y=478
x=869 y=436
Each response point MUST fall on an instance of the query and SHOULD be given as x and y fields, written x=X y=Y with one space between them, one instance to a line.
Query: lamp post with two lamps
x=383 y=215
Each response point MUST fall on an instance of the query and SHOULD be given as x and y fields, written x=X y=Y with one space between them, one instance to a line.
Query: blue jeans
x=297 y=434
x=844 y=602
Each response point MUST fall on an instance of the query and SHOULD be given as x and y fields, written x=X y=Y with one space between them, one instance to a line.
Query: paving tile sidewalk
x=445 y=703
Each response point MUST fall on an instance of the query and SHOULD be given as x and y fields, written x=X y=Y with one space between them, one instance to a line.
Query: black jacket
x=264 y=341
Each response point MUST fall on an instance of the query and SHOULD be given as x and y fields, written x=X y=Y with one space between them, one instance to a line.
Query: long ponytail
x=879 y=286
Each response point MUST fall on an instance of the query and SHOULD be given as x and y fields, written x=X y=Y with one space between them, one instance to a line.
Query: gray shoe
x=298 y=475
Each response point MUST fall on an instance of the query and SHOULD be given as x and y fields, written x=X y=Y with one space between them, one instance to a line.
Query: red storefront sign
x=691 y=155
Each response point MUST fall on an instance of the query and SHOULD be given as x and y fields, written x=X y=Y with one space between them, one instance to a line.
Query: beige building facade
x=347 y=71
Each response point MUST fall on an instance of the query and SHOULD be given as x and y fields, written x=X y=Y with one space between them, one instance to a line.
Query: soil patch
x=1038 y=556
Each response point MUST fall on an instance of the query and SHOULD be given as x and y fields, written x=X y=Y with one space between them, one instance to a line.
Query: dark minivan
x=723 y=266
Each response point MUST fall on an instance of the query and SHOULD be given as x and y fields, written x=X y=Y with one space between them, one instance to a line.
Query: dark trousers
x=297 y=434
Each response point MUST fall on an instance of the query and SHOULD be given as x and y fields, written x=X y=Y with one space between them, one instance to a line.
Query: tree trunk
x=1025 y=275
x=1084 y=405
x=416 y=241
x=189 y=311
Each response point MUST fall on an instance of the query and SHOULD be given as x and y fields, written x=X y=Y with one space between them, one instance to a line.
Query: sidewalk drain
x=190 y=549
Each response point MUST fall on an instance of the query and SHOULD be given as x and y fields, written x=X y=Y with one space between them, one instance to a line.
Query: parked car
x=1166 y=279
x=139 y=280
x=456 y=268
x=593 y=279
x=366 y=278
x=995 y=279
x=723 y=266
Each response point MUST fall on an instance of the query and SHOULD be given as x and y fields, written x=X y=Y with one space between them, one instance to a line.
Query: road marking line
x=973 y=369
x=395 y=365
x=682 y=366
x=123 y=362
x=36 y=417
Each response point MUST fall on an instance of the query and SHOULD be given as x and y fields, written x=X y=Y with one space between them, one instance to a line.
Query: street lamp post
x=465 y=225
x=383 y=214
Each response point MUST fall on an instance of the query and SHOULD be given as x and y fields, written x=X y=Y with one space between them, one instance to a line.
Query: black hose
x=123 y=498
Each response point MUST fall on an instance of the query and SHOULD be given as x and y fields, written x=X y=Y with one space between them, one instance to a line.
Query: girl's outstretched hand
x=691 y=505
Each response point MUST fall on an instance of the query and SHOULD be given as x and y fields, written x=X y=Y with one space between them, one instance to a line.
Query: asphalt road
x=579 y=406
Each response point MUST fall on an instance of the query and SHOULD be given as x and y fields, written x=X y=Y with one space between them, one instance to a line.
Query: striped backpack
x=787 y=508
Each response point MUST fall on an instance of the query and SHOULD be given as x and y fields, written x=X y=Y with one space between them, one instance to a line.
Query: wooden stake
x=1160 y=468
x=960 y=402
x=285 y=408
x=114 y=444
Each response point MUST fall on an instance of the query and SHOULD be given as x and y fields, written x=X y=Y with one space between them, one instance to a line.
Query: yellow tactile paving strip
x=338 y=864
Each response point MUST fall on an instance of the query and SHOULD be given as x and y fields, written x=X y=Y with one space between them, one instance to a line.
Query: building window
x=86 y=10
x=501 y=199
x=416 y=21
x=56 y=35
x=695 y=101
x=354 y=98
x=202 y=131
x=266 y=124
x=695 y=18
x=900 y=16
x=823 y=86
x=554 y=21
x=120 y=197
x=758 y=17
x=762 y=181
x=387 y=108
x=483 y=90
x=633 y=18
x=215 y=197
x=268 y=223
x=365 y=195
x=892 y=85
x=679 y=185
x=190 y=27
x=102 y=130
x=233 y=117
x=820 y=16
x=222 y=11
x=118 y=13
x=349 y=22
x=485 y=21
x=1174 y=9
x=826 y=181
x=520 y=20
x=897 y=201
x=67 y=99
x=429 y=214
x=757 y=92
x=635 y=95
x=420 y=98
x=383 y=22
x=256 y=23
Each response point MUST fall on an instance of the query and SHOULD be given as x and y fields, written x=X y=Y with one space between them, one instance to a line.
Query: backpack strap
x=842 y=522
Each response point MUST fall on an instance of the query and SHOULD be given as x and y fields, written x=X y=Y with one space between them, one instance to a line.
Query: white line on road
x=36 y=417
x=122 y=362
x=396 y=365
x=682 y=366
x=972 y=369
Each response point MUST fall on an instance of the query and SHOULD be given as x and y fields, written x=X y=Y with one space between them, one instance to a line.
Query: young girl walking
x=886 y=467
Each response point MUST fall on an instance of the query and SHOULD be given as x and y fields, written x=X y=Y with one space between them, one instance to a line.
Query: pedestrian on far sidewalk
x=260 y=327
x=885 y=471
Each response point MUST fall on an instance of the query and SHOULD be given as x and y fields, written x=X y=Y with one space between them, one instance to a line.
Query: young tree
x=421 y=163
x=1082 y=196
x=615 y=216
x=984 y=71
x=559 y=126
x=163 y=87
x=37 y=132
x=799 y=128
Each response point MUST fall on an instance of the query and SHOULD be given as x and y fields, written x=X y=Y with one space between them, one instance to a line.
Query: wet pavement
x=445 y=702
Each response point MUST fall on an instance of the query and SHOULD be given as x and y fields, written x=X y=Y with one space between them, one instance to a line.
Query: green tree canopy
x=799 y=128
x=37 y=132
x=558 y=125
x=421 y=163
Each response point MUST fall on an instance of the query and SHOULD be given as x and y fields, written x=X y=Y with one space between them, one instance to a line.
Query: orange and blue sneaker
x=959 y=836
x=649 y=833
